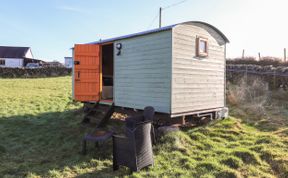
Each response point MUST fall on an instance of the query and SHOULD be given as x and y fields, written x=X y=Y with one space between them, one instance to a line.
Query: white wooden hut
x=178 y=69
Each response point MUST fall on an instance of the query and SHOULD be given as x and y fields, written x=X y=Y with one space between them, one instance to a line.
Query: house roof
x=13 y=52
x=158 y=30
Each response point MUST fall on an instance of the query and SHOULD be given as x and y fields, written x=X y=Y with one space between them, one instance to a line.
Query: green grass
x=40 y=136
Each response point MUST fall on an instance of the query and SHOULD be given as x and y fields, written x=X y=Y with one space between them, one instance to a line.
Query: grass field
x=40 y=136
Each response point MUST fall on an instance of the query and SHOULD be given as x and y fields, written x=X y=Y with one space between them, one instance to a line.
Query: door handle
x=77 y=76
x=76 y=62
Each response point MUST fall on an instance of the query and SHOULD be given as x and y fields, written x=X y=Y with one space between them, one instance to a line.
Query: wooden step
x=99 y=114
x=107 y=116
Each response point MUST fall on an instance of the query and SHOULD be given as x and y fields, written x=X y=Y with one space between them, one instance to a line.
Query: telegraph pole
x=160 y=17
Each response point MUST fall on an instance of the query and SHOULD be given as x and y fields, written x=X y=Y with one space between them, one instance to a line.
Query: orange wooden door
x=87 y=72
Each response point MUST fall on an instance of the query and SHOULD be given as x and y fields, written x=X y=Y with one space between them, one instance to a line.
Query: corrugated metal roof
x=158 y=30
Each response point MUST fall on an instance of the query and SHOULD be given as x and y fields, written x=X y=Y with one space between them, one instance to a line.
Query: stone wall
x=34 y=73
x=276 y=77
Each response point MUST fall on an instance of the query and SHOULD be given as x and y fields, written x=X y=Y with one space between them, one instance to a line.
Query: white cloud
x=73 y=9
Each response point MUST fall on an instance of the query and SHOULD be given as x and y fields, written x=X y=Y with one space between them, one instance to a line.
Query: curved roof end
x=211 y=26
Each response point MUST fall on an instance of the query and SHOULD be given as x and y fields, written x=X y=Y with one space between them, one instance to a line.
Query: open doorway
x=107 y=72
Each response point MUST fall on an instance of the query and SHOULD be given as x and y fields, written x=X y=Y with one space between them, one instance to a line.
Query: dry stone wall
x=276 y=77
x=34 y=73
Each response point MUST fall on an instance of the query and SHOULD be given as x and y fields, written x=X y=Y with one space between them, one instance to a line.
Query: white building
x=68 y=62
x=14 y=56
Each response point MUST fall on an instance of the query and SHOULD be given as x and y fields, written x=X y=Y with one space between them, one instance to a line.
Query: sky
x=52 y=27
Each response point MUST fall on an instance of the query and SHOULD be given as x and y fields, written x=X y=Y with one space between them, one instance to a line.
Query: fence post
x=284 y=54
x=274 y=80
x=246 y=73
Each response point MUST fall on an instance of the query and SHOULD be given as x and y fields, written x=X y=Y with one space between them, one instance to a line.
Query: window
x=202 y=47
x=2 y=62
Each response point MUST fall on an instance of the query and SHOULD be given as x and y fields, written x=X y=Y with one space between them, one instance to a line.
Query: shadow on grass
x=49 y=144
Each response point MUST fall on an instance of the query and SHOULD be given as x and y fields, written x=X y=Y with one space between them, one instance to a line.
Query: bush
x=253 y=91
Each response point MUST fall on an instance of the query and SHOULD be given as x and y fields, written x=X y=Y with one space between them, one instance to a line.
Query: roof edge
x=14 y=51
x=166 y=28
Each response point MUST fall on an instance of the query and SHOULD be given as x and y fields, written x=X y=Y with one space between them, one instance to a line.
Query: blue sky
x=51 y=27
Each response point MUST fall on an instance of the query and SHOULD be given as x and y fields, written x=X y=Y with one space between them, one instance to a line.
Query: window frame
x=198 y=52
x=2 y=63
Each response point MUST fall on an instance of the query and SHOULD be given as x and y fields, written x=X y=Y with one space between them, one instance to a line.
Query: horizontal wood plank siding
x=143 y=72
x=197 y=83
